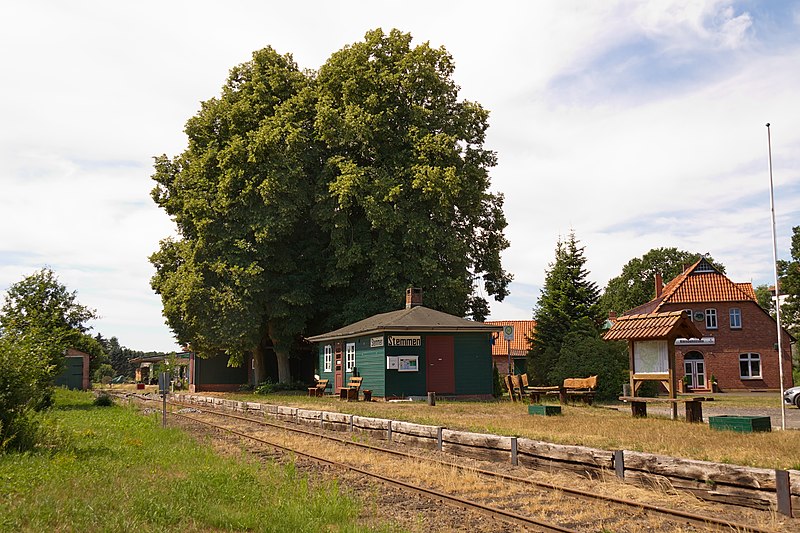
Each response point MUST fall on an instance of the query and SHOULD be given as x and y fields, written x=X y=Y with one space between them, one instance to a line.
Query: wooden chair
x=350 y=392
x=319 y=389
x=510 y=386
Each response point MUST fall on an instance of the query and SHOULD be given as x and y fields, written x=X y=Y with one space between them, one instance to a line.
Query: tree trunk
x=281 y=354
x=259 y=364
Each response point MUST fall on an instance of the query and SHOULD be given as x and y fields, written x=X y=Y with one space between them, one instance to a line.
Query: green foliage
x=104 y=370
x=636 y=284
x=268 y=387
x=103 y=400
x=789 y=279
x=497 y=383
x=583 y=353
x=60 y=490
x=306 y=201
x=765 y=299
x=567 y=296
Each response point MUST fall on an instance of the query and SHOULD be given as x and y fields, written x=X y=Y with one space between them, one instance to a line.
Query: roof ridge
x=675 y=283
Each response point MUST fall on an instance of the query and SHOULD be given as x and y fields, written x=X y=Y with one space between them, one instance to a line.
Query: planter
x=545 y=410
x=744 y=424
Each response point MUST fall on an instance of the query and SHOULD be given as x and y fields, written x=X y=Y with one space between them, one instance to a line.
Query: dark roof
x=418 y=318
x=674 y=324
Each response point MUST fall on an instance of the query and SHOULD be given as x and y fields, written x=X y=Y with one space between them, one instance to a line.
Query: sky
x=636 y=125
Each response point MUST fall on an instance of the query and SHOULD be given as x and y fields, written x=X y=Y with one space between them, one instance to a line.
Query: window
x=736 y=318
x=711 y=319
x=688 y=313
x=750 y=365
x=350 y=357
x=328 y=358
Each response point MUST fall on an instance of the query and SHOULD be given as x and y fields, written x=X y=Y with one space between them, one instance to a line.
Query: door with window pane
x=695 y=367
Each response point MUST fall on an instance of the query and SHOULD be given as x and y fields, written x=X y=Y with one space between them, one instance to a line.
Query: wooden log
x=703 y=471
x=564 y=453
x=543 y=464
x=309 y=417
x=482 y=446
x=415 y=434
x=376 y=427
x=253 y=406
x=753 y=498
x=286 y=413
x=336 y=421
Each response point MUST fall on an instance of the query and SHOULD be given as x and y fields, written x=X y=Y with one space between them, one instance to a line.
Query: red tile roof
x=700 y=283
x=523 y=329
x=652 y=326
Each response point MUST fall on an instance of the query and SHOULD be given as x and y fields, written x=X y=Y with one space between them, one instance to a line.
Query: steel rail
x=454 y=500
x=672 y=513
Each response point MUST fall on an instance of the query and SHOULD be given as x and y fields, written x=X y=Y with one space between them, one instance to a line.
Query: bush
x=103 y=400
x=268 y=387
x=104 y=370
x=497 y=383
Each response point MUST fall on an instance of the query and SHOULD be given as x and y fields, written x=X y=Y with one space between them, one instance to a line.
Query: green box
x=744 y=424
x=546 y=410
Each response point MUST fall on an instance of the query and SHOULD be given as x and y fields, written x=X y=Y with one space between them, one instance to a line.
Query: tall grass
x=111 y=469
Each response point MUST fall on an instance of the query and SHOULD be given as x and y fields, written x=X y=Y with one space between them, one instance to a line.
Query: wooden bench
x=694 y=405
x=319 y=389
x=350 y=392
x=572 y=389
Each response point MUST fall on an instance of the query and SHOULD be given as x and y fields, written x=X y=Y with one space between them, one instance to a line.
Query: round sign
x=508 y=333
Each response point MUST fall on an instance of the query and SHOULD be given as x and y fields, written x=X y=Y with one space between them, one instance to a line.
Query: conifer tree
x=567 y=296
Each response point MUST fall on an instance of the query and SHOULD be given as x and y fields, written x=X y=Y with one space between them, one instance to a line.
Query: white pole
x=775 y=269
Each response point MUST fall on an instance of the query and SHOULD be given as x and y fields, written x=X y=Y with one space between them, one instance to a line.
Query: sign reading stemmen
x=404 y=340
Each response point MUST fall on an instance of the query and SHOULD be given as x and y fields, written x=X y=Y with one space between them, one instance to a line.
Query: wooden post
x=389 y=432
x=439 y=438
x=784 y=493
x=431 y=398
x=639 y=409
x=694 y=411
x=514 y=451
x=619 y=463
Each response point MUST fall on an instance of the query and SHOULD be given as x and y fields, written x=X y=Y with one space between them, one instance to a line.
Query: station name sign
x=704 y=341
x=404 y=340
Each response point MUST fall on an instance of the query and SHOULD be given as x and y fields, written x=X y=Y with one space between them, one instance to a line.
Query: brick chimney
x=413 y=297
x=612 y=316
x=659 y=284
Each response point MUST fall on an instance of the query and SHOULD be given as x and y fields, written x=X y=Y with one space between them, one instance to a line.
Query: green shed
x=410 y=352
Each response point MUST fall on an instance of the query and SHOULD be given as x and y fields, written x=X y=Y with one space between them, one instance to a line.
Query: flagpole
x=775 y=269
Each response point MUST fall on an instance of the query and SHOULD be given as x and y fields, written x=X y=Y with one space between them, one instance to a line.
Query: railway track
x=626 y=509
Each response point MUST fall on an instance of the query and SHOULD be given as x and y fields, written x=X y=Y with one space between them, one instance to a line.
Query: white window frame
x=328 y=358
x=689 y=312
x=350 y=357
x=735 y=315
x=750 y=358
x=711 y=318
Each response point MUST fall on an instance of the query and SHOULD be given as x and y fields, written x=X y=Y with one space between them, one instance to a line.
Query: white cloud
x=637 y=124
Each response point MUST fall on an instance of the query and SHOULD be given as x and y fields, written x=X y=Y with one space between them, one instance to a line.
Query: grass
x=607 y=427
x=111 y=469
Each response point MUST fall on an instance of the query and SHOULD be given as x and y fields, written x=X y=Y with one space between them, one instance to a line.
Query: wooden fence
x=758 y=488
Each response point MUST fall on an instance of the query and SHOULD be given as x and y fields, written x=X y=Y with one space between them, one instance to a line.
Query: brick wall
x=757 y=335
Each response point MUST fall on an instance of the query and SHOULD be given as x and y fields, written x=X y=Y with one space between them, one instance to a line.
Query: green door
x=72 y=376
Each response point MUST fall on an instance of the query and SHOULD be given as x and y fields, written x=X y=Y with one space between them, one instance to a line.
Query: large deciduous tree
x=307 y=200
x=790 y=286
x=567 y=297
x=636 y=284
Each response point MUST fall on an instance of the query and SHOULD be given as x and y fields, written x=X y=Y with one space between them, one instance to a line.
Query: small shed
x=411 y=352
x=76 y=370
x=651 y=346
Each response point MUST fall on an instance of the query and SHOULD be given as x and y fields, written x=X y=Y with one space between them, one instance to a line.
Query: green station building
x=410 y=352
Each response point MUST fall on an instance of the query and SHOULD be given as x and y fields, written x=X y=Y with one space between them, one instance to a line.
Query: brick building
x=517 y=348
x=738 y=346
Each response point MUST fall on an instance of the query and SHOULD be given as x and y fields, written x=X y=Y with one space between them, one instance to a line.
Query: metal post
x=775 y=269
x=164 y=411
x=508 y=349
x=784 y=492
x=514 y=451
